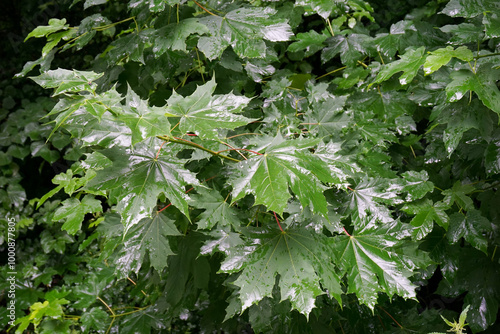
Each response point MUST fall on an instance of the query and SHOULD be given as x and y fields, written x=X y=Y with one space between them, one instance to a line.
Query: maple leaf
x=302 y=260
x=409 y=63
x=482 y=82
x=372 y=265
x=426 y=213
x=245 y=30
x=65 y=81
x=217 y=210
x=367 y=196
x=283 y=164
x=203 y=113
x=144 y=121
x=73 y=211
x=149 y=234
x=138 y=177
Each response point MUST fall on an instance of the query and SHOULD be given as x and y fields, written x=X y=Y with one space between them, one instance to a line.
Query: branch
x=190 y=143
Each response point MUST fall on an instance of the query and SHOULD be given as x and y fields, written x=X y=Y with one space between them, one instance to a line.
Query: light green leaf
x=203 y=113
x=409 y=64
x=441 y=57
x=144 y=121
x=54 y=25
x=66 y=81
x=310 y=42
x=416 y=184
x=73 y=211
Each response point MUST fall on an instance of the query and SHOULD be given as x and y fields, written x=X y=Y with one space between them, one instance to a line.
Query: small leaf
x=409 y=64
x=441 y=57
x=73 y=211
x=54 y=25
x=144 y=121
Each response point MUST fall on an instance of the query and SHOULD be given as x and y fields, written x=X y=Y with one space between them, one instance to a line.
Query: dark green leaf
x=294 y=255
x=283 y=164
x=244 y=29
x=471 y=227
x=138 y=177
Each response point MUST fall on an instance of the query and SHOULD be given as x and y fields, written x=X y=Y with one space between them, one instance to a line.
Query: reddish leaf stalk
x=277 y=220
x=346 y=232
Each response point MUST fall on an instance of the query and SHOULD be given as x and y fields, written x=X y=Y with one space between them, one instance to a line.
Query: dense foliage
x=298 y=166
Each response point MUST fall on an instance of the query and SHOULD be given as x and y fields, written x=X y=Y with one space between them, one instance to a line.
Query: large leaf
x=301 y=259
x=372 y=265
x=283 y=164
x=203 y=113
x=245 y=29
x=138 y=177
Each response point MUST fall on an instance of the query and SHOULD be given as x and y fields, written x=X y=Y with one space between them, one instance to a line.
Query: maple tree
x=300 y=166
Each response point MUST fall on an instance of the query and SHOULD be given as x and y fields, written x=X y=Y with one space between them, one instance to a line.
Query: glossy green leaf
x=173 y=36
x=368 y=196
x=441 y=57
x=463 y=33
x=283 y=164
x=73 y=211
x=203 y=113
x=409 y=63
x=138 y=176
x=470 y=8
x=471 y=227
x=54 y=25
x=144 y=121
x=65 y=81
x=149 y=234
x=416 y=184
x=310 y=42
x=217 y=210
x=372 y=265
x=245 y=29
x=426 y=213
x=294 y=255
x=350 y=47
x=482 y=82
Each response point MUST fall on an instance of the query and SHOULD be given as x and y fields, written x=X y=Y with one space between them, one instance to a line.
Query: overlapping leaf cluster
x=291 y=163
